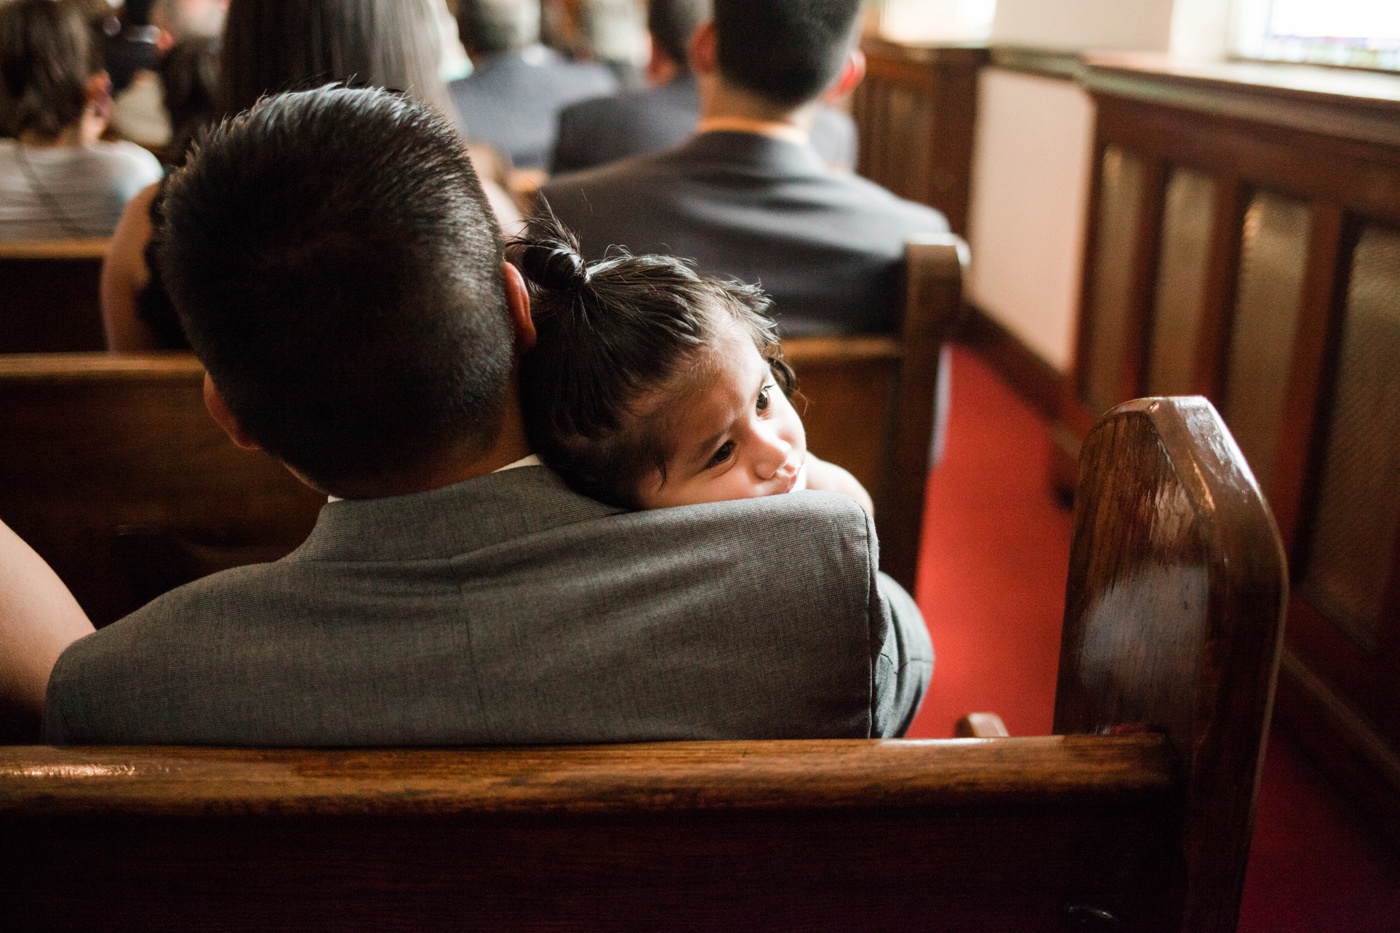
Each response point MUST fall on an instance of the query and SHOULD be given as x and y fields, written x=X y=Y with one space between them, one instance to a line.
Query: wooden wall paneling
x=1178 y=303
x=950 y=137
x=1222 y=281
x=1268 y=306
x=1113 y=279
x=1311 y=376
x=1387 y=656
x=915 y=114
x=1304 y=169
x=1147 y=251
x=1363 y=175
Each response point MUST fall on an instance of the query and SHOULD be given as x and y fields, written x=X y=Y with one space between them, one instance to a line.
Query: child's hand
x=823 y=475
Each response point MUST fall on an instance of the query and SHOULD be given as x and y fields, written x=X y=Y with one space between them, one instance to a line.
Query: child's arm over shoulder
x=821 y=474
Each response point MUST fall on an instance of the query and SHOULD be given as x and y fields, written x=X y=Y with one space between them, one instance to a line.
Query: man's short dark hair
x=785 y=51
x=335 y=264
x=672 y=23
x=491 y=26
x=48 y=53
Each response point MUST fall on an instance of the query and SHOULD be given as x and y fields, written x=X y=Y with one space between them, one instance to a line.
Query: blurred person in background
x=270 y=46
x=517 y=87
x=606 y=129
x=140 y=113
x=58 y=178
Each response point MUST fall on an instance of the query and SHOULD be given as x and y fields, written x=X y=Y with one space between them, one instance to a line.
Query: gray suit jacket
x=513 y=99
x=508 y=609
x=827 y=246
x=606 y=129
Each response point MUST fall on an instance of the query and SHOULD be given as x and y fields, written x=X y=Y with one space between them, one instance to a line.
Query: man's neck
x=727 y=108
x=77 y=134
x=456 y=465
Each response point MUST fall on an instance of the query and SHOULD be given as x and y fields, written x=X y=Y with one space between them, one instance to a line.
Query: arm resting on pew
x=38 y=619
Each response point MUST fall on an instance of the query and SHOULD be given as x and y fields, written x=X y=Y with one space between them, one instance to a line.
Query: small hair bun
x=554 y=265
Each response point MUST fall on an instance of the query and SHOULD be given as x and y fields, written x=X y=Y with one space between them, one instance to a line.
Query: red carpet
x=991 y=585
x=993 y=563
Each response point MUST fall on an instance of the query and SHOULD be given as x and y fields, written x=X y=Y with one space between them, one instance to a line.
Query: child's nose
x=771 y=455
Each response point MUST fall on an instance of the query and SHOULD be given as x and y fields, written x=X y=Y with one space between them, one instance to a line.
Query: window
x=1356 y=33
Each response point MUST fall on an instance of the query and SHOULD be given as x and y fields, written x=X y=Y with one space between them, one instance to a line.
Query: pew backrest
x=874 y=403
x=1098 y=831
x=96 y=449
x=49 y=299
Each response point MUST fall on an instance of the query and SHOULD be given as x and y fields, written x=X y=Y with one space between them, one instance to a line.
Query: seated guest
x=368 y=333
x=513 y=97
x=58 y=178
x=141 y=109
x=606 y=129
x=747 y=196
x=273 y=45
x=189 y=76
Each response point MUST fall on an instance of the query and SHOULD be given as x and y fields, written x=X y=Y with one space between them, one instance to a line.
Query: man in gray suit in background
x=366 y=332
x=513 y=97
x=747 y=196
x=606 y=129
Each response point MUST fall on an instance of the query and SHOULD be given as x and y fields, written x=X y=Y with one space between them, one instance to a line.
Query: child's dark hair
x=609 y=333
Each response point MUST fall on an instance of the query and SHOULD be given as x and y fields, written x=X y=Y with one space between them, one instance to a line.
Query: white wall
x=1030 y=184
x=1031 y=161
x=1084 y=24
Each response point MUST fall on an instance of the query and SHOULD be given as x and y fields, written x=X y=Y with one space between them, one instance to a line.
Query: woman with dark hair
x=271 y=46
x=57 y=178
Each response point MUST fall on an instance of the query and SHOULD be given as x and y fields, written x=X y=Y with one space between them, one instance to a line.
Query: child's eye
x=763 y=398
x=726 y=450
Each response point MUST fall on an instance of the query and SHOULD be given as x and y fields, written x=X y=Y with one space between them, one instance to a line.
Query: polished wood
x=872 y=403
x=99 y=453
x=49 y=296
x=1328 y=140
x=1222 y=286
x=980 y=726
x=1199 y=518
x=1115 y=825
x=915 y=112
x=1308 y=404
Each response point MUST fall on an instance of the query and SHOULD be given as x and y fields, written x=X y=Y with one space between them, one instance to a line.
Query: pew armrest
x=981 y=726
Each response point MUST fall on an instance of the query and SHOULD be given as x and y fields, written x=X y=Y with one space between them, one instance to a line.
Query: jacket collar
x=451 y=520
x=761 y=154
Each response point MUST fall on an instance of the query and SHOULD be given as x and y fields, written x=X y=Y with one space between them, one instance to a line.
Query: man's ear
x=518 y=301
x=98 y=94
x=852 y=73
x=219 y=411
x=704 y=49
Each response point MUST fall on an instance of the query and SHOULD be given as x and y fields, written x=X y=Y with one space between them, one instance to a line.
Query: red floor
x=991 y=586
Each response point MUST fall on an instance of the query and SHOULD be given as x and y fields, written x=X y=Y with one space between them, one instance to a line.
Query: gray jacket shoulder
x=737 y=620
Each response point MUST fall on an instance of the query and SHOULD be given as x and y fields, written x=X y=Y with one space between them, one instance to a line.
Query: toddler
x=651 y=386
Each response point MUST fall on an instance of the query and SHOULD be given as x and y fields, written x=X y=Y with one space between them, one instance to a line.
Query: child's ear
x=518 y=302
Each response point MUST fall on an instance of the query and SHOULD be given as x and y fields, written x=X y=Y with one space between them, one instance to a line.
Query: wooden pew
x=1136 y=817
x=111 y=469
x=97 y=450
x=873 y=403
x=49 y=295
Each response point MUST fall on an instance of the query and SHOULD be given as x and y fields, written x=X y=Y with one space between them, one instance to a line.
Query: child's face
x=738 y=437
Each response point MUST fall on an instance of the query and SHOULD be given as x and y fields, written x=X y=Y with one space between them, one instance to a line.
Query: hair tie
x=555 y=265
